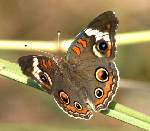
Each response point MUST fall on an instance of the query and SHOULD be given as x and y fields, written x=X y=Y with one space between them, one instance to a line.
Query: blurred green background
x=24 y=108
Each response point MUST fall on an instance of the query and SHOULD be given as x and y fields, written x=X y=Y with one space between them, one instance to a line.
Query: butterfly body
x=87 y=79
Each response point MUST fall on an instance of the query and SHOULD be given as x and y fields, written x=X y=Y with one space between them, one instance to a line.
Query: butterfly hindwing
x=54 y=78
x=70 y=100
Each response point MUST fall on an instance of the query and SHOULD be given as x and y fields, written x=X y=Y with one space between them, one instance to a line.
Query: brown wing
x=90 y=59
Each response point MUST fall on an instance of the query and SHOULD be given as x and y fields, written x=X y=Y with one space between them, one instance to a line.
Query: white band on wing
x=36 y=71
x=98 y=35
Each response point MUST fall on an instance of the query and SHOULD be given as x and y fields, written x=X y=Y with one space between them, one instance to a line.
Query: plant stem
x=121 y=39
x=12 y=71
x=115 y=110
x=128 y=115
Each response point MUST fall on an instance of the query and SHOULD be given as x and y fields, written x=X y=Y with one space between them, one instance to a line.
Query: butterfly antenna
x=58 y=40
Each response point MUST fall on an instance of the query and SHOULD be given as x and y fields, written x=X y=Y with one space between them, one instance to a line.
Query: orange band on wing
x=49 y=63
x=76 y=50
x=107 y=89
x=83 y=43
x=108 y=53
x=73 y=109
x=43 y=63
x=46 y=64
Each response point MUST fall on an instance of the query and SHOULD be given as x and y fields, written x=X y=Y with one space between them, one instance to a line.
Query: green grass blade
x=121 y=39
x=12 y=71
x=128 y=115
x=118 y=111
x=130 y=112
x=133 y=38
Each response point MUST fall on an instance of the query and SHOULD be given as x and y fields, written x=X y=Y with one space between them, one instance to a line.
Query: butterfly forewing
x=92 y=55
x=44 y=70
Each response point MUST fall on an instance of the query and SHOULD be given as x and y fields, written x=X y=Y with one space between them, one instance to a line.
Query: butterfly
x=86 y=80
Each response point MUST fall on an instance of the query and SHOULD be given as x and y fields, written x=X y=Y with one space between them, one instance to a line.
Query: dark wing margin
x=105 y=22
